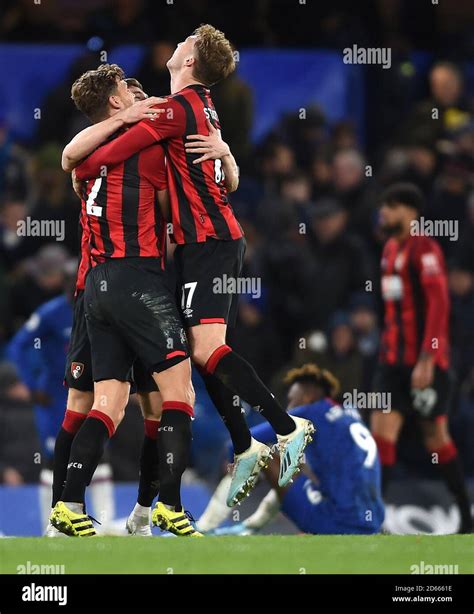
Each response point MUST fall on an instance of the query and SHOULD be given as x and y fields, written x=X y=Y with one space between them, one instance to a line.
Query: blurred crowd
x=307 y=201
x=397 y=23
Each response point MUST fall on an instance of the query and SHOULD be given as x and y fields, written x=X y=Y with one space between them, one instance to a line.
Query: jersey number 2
x=91 y=207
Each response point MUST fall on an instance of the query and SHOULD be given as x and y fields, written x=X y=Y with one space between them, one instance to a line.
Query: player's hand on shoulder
x=212 y=146
x=143 y=109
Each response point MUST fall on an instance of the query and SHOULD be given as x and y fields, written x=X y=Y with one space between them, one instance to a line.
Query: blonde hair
x=213 y=54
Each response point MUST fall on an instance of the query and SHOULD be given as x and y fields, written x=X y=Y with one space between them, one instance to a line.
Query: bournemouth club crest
x=77 y=369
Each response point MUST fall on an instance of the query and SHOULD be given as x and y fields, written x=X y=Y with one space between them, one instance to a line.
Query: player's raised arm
x=213 y=147
x=90 y=138
x=170 y=123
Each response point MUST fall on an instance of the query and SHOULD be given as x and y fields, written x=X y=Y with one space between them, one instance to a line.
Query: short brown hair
x=92 y=90
x=132 y=82
x=214 y=55
x=312 y=374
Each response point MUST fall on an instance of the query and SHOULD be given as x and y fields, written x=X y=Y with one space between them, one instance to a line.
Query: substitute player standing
x=414 y=357
x=210 y=246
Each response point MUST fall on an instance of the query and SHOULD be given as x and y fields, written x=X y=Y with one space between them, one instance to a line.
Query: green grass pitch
x=346 y=554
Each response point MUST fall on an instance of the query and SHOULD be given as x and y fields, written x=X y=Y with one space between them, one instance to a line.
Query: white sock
x=217 y=510
x=102 y=493
x=73 y=506
x=139 y=510
x=46 y=484
x=265 y=512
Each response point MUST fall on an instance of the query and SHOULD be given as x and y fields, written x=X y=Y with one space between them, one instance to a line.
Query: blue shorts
x=306 y=507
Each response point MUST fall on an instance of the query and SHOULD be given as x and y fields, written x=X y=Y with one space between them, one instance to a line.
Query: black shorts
x=427 y=404
x=205 y=273
x=131 y=313
x=78 y=373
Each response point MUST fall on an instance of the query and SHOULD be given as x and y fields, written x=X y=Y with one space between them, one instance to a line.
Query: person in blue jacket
x=38 y=351
x=339 y=490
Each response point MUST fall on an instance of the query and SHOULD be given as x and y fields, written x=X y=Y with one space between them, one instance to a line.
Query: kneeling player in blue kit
x=339 y=489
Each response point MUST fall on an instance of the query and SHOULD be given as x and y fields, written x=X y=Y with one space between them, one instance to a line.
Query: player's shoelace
x=175 y=524
x=189 y=516
x=190 y=520
x=86 y=525
x=93 y=519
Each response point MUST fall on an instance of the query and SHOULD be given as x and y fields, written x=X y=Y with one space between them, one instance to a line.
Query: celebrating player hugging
x=155 y=170
x=236 y=301
x=137 y=167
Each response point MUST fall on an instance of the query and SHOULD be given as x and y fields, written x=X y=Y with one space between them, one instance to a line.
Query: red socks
x=107 y=420
x=178 y=406
x=151 y=428
x=73 y=420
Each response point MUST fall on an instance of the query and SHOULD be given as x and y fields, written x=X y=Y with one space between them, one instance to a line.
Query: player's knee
x=119 y=417
x=435 y=442
x=200 y=355
x=182 y=391
x=79 y=400
x=202 y=352
x=204 y=341
x=386 y=426
x=150 y=404
x=435 y=434
x=112 y=399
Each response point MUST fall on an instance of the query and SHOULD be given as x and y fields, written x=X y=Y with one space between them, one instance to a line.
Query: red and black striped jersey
x=416 y=298
x=121 y=207
x=85 y=260
x=200 y=208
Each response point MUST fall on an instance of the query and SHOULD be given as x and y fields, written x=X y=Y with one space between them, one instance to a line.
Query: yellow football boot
x=174 y=522
x=70 y=523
